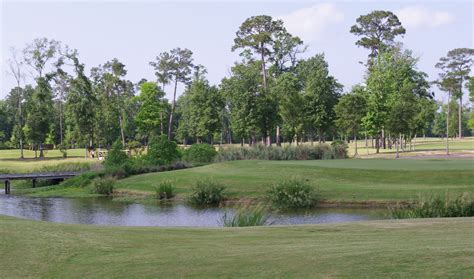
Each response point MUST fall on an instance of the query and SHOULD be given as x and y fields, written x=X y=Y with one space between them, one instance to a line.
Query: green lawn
x=403 y=248
x=29 y=154
x=337 y=180
x=9 y=161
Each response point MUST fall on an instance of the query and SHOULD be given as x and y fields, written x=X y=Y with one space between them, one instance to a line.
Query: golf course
x=239 y=139
x=433 y=247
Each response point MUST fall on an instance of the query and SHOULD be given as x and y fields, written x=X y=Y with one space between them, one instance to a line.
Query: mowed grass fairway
x=402 y=248
x=9 y=161
x=337 y=180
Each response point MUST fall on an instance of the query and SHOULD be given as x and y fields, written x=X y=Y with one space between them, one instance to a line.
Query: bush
x=293 y=193
x=116 y=157
x=339 y=149
x=81 y=180
x=245 y=217
x=200 y=153
x=207 y=192
x=290 y=152
x=165 y=190
x=67 y=167
x=62 y=148
x=436 y=207
x=103 y=186
x=162 y=151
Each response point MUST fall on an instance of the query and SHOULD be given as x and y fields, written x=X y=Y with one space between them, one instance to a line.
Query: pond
x=103 y=211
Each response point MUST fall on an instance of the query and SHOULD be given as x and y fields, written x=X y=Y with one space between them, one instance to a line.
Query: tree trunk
x=460 y=116
x=414 y=143
x=377 y=144
x=121 y=129
x=278 y=143
x=366 y=144
x=20 y=121
x=61 y=122
x=41 y=151
x=447 y=125
x=170 y=129
x=161 y=112
x=383 y=139
x=264 y=70
x=355 y=144
x=398 y=145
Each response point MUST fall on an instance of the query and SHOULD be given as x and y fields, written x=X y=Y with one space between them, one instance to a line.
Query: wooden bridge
x=34 y=177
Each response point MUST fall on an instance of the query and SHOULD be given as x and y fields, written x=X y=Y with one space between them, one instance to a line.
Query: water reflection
x=103 y=211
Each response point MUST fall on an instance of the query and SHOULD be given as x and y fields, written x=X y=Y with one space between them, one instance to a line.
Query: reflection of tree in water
x=100 y=210
x=34 y=208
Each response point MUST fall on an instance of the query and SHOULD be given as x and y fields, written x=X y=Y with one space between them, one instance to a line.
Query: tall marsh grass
x=165 y=190
x=246 y=216
x=290 y=152
x=292 y=193
x=207 y=192
x=436 y=207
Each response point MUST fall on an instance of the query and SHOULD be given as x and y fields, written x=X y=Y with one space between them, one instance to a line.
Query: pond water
x=103 y=211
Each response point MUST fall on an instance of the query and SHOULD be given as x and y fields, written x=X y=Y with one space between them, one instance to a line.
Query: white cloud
x=309 y=23
x=419 y=16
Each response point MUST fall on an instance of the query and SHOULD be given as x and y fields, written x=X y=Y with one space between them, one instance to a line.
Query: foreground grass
x=403 y=248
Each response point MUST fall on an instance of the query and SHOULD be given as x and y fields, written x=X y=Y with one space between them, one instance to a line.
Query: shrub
x=293 y=193
x=200 y=153
x=245 y=217
x=116 y=157
x=162 y=151
x=103 y=186
x=165 y=190
x=339 y=149
x=207 y=192
x=299 y=152
x=67 y=167
x=435 y=207
x=62 y=148
x=81 y=180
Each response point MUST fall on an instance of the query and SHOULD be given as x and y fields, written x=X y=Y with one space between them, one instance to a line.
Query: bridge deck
x=44 y=175
x=34 y=176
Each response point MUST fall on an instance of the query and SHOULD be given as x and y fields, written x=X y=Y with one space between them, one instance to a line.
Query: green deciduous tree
x=291 y=102
x=350 y=110
x=39 y=114
x=203 y=109
x=151 y=109
x=81 y=105
x=321 y=94
x=115 y=94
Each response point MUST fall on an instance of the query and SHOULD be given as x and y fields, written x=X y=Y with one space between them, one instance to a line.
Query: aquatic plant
x=246 y=216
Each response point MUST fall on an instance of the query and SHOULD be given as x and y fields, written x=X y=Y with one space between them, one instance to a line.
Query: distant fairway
x=9 y=161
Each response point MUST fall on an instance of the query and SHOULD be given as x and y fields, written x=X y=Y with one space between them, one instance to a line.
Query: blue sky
x=135 y=32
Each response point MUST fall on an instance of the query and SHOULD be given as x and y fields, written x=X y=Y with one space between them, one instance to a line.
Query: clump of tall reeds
x=435 y=207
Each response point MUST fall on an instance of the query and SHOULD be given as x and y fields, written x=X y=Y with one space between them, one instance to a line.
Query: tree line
x=271 y=95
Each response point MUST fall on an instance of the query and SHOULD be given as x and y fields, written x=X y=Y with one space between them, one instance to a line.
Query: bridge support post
x=7 y=187
x=34 y=182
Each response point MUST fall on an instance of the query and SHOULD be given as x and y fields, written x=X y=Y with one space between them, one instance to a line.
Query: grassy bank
x=408 y=248
x=336 y=180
